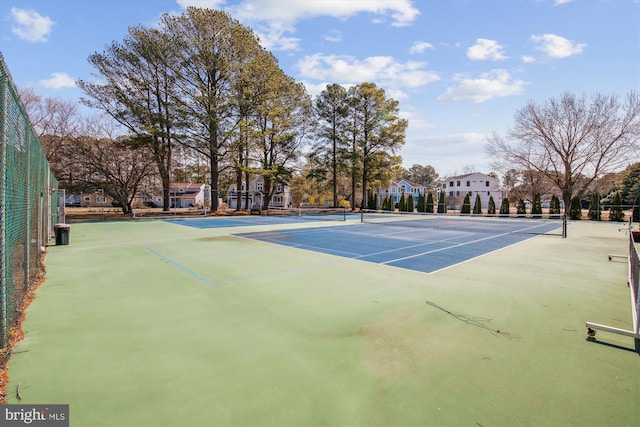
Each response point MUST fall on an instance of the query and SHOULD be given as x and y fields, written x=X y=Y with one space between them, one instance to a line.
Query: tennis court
x=154 y=323
x=425 y=245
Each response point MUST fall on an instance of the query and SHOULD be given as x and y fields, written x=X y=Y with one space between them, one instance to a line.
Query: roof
x=469 y=174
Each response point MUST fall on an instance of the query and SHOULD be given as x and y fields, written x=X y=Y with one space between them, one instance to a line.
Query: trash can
x=62 y=233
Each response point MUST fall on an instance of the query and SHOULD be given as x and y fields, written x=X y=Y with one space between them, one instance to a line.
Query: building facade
x=257 y=197
x=397 y=188
x=476 y=183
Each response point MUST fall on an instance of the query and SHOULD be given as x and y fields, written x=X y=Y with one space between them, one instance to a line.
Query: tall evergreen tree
x=616 y=213
x=504 y=207
x=429 y=205
x=402 y=204
x=595 y=212
x=421 y=203
x=331 y=109
x=442 y=203
x=466 y=205
x=410 y=205
x=491 y=209
x=575 y=210
x=554 y=207
x=376 y=126
x=477 y=206
x=636 y=207
x=521 y=209
x=536 y=208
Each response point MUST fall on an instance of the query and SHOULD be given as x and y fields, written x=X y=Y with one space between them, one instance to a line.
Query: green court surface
x=155 y=324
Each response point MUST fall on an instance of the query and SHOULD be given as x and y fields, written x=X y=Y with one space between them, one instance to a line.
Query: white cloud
x=274 y=20
x=485 y=49
x=495 y=84
x=559 y=2
x=30 y=25
x=58 y=81
x=419 y=47
x=333 y=36
x=528 y=59
x=210 y=4
x=554 y=46
x=402 y=11
x=382 y=70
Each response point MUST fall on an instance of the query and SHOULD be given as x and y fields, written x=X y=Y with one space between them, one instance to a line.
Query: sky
x=460 y=69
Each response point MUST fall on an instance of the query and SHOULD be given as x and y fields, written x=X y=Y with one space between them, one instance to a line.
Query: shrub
x=504 y=208
x=521 y=209
x=466 y=205
x=491 y=210
x=536 y=209
x=421 y=204
x=429 y=204
x=595 y=212
x=477 y=206
x=402 y=204
x=616 y=213
x=442 y=203
x=575 y=211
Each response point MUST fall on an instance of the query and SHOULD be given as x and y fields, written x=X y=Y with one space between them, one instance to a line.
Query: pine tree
x=575 y=211
x=421 y=204
x=616 y=213
x=491 y=210
x=429 y=204
x=554 y=206
x=521 y=209
x=477 y=207
x=409 y=206
x=466 y=205
x=504 y=208
x=442 y=203
x=402 y=204
x=536 y=209
x=595 y=213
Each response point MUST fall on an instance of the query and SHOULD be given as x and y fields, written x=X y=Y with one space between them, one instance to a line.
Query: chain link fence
x=28 y=208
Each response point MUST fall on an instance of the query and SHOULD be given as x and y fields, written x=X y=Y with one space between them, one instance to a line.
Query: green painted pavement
x=156 y=324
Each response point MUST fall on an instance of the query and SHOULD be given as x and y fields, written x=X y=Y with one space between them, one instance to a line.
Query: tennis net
x=549 y=224
x=311 y=213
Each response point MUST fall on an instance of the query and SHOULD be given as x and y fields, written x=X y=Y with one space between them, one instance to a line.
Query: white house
x=186 y=195
x=456 y=187
x=397 y=188
x=281 y=198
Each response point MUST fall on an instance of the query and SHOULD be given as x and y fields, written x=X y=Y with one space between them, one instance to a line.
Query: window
x=458 y=184
x=450 y=193
x=87 y=199
x=451 y=183
x=457 y=194
x=101 y=199
x=259 y=186
x=488 y=193
x=468 y=183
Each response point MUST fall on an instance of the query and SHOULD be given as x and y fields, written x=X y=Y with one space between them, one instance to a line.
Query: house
x=186 y=195
x=93 y=200
x=457 y=187
x=281 y=198
x=397 y=188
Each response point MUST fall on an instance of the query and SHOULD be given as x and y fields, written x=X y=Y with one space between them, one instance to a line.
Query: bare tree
x=570 y=141
x=113 y=166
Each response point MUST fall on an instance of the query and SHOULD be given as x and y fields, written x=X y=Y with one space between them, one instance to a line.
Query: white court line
x=452 y=246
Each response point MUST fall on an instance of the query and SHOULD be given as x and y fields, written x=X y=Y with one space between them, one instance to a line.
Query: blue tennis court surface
x=439 y=246
x=248 y=220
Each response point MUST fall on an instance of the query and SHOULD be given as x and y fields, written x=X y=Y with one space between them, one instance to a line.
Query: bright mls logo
x=35 y=415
